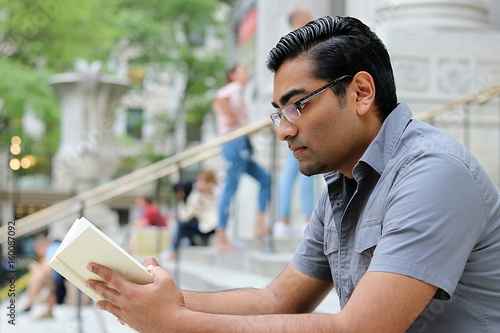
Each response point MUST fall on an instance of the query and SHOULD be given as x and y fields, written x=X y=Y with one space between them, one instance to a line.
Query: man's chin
x=311 y=169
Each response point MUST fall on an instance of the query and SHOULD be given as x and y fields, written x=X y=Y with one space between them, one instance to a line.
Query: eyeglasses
x=292 y=111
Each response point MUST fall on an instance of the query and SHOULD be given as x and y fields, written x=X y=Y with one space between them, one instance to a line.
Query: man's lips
x=297 y=150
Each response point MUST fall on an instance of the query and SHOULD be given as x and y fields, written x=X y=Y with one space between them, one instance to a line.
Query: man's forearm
x=194 y=322
x=237 y=301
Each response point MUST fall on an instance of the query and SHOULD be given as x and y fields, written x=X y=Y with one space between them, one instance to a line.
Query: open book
x=85 y=243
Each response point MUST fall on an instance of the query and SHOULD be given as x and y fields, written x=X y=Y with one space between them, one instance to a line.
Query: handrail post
x=272 y=203
x=178 y=252
x=157 y=222
x=79 y=295
x=177 y=266
x=467 y=121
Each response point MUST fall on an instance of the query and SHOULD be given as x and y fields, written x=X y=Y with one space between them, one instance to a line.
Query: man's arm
x=291 y=292
x=385 y=302
x=382 y=302
x=142 y=306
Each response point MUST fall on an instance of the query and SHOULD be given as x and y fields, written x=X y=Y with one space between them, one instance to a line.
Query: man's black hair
x=340 y=46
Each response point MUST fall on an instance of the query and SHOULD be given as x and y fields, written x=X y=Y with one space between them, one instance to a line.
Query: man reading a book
x=407 y=229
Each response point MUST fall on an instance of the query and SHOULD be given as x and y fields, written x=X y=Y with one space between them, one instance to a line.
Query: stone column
x=87 y=153
x=443 y=50
x=439 y=15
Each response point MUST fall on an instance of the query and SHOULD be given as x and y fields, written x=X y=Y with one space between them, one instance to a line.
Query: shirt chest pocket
x=331 y=249
x=331 y=241
x=365 y=243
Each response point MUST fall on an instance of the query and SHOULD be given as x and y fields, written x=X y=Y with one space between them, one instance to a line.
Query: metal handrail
x=41 y=219
x=480 y=97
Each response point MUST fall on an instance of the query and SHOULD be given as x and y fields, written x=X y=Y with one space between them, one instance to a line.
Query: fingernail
x=149 y=268
x=89 y=267
x=87 y=285
x=99 y=306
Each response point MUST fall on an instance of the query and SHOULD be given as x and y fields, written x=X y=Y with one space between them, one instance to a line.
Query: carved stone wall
x=441 y=15
x=443 y=51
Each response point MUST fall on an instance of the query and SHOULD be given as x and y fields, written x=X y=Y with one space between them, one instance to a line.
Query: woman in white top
x=198 y=213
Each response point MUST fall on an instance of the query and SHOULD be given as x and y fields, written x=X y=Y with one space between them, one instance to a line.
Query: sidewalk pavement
x=65 y=320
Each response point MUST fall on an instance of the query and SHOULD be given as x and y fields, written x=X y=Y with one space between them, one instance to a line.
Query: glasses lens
x=291 y=113
x=276 y=118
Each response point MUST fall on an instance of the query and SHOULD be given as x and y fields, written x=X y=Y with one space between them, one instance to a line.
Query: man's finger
x=111 y=308
x=102 y=289
x=114 y=280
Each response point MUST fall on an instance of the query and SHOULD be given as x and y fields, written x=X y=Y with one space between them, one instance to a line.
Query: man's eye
x=302 y=105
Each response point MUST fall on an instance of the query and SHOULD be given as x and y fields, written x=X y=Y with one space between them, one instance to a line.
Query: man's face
x=324 y=138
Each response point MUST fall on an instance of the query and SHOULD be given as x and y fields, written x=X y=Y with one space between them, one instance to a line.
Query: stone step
x=65 y=319
x=274 y=244
x=252 y=261
x=194 y=275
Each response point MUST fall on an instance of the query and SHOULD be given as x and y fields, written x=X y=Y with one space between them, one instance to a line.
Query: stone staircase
x=201 y=268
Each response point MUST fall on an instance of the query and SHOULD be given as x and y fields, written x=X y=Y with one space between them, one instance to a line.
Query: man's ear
x=364 y=87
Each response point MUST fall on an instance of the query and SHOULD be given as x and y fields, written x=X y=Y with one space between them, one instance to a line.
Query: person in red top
x=151 y=215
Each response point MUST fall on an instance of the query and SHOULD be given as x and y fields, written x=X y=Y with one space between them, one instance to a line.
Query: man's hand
x=145 y=308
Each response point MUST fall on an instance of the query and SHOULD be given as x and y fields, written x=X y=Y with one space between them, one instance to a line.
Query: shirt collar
x=383 y=146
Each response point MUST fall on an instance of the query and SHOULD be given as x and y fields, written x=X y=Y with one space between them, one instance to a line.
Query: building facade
x=441 y=50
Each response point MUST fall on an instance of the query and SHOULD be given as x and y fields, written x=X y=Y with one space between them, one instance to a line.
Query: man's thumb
x=149 y=263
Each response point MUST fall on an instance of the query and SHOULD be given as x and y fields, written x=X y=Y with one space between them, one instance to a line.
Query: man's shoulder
x=422 y=138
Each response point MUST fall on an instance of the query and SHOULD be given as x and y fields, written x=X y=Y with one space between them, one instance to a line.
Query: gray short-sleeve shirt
x=424 y=208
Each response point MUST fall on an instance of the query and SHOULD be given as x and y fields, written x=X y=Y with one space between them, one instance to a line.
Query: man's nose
x=286 y=130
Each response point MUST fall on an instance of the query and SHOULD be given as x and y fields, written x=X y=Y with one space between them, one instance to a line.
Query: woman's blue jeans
x=238 y=154
x=288 y=178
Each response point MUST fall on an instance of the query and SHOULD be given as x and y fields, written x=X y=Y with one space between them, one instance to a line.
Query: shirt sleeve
x=433 y=218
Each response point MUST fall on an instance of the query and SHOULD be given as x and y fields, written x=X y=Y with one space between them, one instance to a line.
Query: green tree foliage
x=175 y=34
x=39 y=38
x=23 y=88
